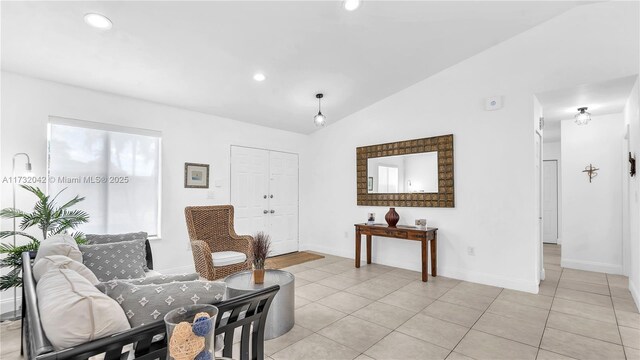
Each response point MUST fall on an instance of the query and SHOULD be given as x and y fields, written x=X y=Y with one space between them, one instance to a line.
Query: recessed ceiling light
x=259 y=77
x=98 y=21
x=351 y=5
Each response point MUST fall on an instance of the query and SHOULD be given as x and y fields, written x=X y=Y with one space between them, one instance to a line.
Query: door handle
x=271 y=196
x=265 y=197
x=265 y=211
x=272 y=211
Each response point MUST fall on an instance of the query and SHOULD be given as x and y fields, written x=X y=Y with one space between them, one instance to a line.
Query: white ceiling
x=608 y=97
x=202 y=55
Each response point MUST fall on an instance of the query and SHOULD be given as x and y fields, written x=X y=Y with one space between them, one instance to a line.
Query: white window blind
x=117 y=170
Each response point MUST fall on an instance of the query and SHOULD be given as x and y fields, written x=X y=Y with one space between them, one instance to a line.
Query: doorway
x=550 y=201
x=264 y=193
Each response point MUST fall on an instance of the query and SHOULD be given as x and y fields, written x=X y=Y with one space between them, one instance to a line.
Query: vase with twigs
x=261 y=247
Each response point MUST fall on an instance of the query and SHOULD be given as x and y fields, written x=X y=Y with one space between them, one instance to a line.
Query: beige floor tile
x=462 y=298
x=339 y=282
x=632 y=354
x=585 y=276
x=370 y=290
x=9 y=338
x=314 y=291
x=479 y=289
x=355 y=333
x=296 y=269
x=547 y=289
x=583 y=326
x=625 y=305
x=548 y=355
x=435 y=331
x=580 y=347
x=443 y=281
x=315 y=347
x=335 y=268
x=407 y=274
x=520 y=312
x=628 y=319
x=620 y=292
x=360 y=274
x=345 y=302
x=406 y=300
x=398 y=346
x=583 y=286
x=364 y=357
x=552 y=275
x=585 y=297
x=389 y=281
x=320 y=263
x=300 y=302
x=427 y=289
x=620 y=281
x=301 y=282
x=552 y=266
x=315 y=316
x=15 y=355
x=588 y=311
x=385 y=315
x=539 y=301
x=312 y=275
x=510 y=328
x=630 y=337
x=481 y=346
x=456 y=314
x=294 y=335
x=458 y=356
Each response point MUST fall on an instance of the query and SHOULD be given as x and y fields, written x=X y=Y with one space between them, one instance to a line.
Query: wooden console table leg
x=358 y=244
x=368 y=249
x=425 y=276
x=434 y=255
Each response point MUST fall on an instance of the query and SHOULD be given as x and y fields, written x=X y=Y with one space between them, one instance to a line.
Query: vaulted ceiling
x=203 y=55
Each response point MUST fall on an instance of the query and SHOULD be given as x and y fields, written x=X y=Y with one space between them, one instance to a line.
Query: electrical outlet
x=471 y=251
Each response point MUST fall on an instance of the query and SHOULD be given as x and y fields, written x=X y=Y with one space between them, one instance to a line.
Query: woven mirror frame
x=445 y=197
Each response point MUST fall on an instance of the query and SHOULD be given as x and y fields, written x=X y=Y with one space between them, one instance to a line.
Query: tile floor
x=380 y=312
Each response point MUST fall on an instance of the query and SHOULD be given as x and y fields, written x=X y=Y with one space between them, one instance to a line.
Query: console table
x=404 y=233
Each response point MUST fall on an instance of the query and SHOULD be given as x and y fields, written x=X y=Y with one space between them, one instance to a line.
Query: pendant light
x=319 y=120
x=582 y=117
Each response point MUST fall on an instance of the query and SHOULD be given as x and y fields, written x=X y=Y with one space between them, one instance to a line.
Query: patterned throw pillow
x=121 y=260
x=143 y=304
x=159 y=279
x=111 y=238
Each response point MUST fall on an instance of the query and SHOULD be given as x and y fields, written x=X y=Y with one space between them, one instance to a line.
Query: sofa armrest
x=202 y=259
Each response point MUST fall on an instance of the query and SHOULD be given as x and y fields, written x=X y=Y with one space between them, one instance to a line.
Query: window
x=117 y=170
x=387 y=179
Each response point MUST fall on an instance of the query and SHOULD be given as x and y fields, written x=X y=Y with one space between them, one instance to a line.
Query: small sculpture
x=591 y=171
x=632 y=165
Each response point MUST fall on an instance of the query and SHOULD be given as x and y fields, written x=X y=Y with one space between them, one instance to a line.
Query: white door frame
x=266 y=149
x=557 y=199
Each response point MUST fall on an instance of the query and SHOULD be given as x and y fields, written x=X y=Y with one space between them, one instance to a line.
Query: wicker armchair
x=211 y=231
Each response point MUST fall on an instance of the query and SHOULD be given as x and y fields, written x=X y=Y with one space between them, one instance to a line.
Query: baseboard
x=591 y=266
x=466 y=275
x=635 y=293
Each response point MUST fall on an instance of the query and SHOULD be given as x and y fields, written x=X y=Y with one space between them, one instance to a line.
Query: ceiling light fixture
x=259 y=77
x=98 y=21
x=351 y=5
x=582 y=117
x=320 y=120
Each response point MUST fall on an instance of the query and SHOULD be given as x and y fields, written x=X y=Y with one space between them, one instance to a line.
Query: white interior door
x=264 y=193
x=249 y=189
x=283 y=202
x=550 y=201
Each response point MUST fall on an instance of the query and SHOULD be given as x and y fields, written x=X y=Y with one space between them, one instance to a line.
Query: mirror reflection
x=410 y=173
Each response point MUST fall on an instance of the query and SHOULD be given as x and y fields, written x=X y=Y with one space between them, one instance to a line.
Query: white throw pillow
x=73 y=311
x=62 y=262
x=64 y=245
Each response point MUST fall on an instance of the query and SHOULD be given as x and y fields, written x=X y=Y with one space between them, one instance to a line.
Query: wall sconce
x=632 y=165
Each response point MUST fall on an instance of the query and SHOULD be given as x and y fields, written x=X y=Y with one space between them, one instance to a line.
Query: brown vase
x=392 y=217
x=258 y=276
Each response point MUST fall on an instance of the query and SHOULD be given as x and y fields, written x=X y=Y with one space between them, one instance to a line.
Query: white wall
x=494 y=173
x=186 y=137
x=592 y=212
x=632 y=118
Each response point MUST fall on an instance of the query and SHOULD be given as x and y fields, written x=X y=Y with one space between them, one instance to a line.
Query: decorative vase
x=258 y=276
x=191 y=332
x=392 y=217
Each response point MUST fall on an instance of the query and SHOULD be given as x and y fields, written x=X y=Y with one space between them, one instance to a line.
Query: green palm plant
x=50 y=218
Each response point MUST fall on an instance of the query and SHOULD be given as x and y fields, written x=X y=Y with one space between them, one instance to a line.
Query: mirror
x=409 y=173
